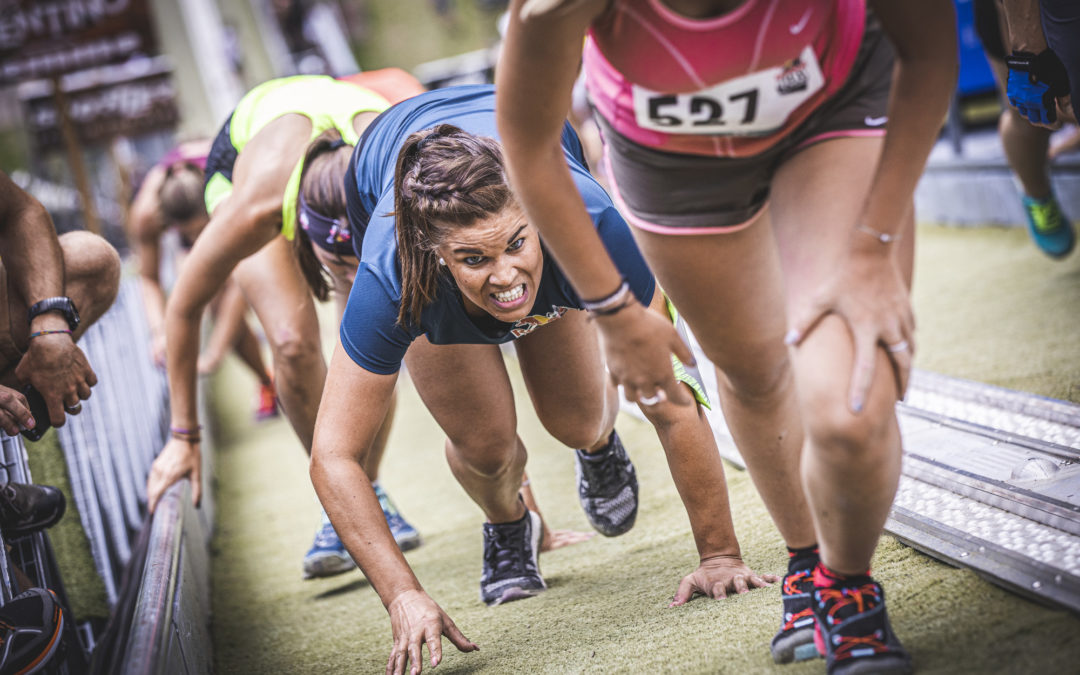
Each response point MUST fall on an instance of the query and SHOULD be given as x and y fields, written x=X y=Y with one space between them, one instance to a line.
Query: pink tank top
x=727 y=86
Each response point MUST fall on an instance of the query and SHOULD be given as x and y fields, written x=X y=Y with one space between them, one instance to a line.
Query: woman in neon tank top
x=746 y=144
x=279 y=131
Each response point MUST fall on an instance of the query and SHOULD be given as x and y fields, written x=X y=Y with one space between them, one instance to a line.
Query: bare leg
x=850 y=462
x=1026 y=146
x=231 y=331
x=728 y=288
x=468 y=392
x=564 y=373
x=272 y=283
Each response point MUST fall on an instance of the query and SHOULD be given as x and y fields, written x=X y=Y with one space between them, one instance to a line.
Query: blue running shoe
x=1048 y=226
x=327 y=555
x=405 y=535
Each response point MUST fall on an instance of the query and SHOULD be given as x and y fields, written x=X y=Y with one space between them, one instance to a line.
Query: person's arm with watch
x=53 y=364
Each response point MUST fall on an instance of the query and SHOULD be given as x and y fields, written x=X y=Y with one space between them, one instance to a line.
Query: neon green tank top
x=328 y=103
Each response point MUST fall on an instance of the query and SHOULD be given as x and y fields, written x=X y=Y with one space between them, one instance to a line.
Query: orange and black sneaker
x=31 y=625
x=795 y=639
x=267 y=406
x=852 y=630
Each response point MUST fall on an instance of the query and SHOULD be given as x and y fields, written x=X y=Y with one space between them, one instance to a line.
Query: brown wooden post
x=75 y=158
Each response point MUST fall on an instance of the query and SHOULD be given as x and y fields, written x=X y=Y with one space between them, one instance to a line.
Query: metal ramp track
x=991 y=481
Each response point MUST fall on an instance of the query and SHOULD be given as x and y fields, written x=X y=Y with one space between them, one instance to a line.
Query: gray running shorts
x=673 y=193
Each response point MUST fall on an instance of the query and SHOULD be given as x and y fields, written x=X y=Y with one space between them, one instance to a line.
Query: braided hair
x=446 y=178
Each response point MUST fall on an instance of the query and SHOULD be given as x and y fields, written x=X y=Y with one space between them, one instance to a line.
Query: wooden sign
x=98 y=113
x=46 y=38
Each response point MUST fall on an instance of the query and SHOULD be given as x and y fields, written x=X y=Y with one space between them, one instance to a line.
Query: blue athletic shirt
x=370 y=333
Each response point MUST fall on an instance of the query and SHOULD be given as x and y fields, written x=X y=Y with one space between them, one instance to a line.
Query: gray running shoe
x=511 y=569
x=608 y=488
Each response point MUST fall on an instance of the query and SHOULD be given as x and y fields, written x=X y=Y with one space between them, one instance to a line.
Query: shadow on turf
x=354 y=585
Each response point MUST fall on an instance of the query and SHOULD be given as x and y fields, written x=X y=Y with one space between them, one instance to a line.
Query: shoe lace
x=1046 y=215
x=857 y=600
x=845 y=644
x=793 y=581
x=505 y=554
x=603 y=473
x=863 y=598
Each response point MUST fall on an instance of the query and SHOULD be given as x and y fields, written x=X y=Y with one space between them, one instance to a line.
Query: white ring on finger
x=73 y=409
x=649 y=400
x=898 y=346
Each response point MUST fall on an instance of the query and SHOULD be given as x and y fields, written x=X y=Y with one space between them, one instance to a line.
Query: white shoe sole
x=327 y=565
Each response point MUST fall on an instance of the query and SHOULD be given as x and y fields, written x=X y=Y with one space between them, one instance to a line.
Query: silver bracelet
x=883 y=237
x=605 y=304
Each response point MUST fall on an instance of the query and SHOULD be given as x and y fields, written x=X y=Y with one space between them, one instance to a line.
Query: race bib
x=754 y=104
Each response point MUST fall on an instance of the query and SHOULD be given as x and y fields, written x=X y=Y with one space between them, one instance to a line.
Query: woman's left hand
x=554 y=539
x=718 y=576
x=868 y=293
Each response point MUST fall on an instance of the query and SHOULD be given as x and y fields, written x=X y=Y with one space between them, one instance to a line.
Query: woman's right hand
x=178 y=459
x=415 y=619
x=639 y=344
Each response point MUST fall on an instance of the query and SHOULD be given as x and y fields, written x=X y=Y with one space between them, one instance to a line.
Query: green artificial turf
x=991 y=307
x=83 y=584
x=606 y=609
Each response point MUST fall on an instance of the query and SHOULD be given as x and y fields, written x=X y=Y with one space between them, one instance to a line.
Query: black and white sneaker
x=511 y=569
x=608 y=488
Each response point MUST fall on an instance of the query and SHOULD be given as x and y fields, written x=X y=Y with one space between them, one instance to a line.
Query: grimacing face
x=497 y=263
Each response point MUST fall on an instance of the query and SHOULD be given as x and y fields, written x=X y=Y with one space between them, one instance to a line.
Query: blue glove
x=1034 y=84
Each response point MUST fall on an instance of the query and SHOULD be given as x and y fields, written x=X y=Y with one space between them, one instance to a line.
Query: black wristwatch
x=61 y=304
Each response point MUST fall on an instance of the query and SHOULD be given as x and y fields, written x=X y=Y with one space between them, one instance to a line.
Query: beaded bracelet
x=883 y=237
x=48 y=332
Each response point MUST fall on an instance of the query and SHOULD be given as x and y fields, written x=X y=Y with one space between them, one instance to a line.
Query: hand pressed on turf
x=718 y=576
x=554 y=539
x=415 y=619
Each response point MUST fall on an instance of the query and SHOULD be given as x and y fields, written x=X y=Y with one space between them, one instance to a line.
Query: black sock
x=800 y=559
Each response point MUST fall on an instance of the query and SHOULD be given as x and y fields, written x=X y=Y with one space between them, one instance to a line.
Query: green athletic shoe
x=1048 y=226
